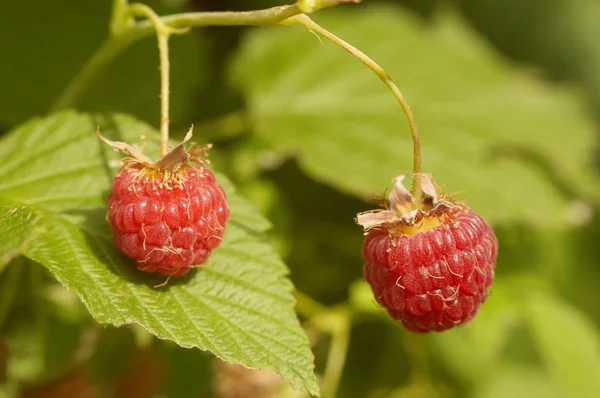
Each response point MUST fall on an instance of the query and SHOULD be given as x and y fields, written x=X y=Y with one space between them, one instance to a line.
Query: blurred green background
x=507 y=96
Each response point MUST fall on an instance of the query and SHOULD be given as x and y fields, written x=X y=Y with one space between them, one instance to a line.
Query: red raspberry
x=429 y=268
x=167 y=227
x=166 y=215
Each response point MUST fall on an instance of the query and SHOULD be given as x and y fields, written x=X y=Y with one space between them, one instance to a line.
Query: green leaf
x=486 y=129
x=239 y=306
x=568 y=342
x=16 y=225
x=61 y=36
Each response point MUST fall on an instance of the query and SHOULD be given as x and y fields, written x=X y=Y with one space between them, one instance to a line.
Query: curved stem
x=337 y=322
x=309 y=24
x=113 y=46
x=307 y=306
x=336 y=358
x=10 y=284
x=119 y=18
x=108 y=51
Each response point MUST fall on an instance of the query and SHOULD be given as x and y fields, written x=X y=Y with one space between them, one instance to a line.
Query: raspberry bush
x=136 y=263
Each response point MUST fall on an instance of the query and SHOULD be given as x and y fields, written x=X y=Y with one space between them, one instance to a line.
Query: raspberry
x=167 y=227
x=429 y=268
x=167 y=215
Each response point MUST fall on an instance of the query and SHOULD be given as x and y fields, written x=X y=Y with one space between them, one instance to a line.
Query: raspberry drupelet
x=430 y=267
x=169 y=215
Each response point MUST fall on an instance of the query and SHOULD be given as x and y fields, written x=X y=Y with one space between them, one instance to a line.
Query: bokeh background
x=507 y=97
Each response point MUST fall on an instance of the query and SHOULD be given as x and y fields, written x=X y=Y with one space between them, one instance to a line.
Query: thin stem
x=307 y=306
x=108 y=51
x=163 y=32
x=338 y=350
x=417 y=349
x=113 y=46
x=309 y=24
x=10 y=287
x=36 y=286
x=124 y=33
x=269 y=16
x=163 y=48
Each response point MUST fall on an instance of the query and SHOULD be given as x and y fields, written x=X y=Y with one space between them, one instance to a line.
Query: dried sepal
x=401 y=209
x=169 y=164
x=131 y=151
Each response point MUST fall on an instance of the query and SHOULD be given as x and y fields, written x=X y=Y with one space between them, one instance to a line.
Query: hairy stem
x=163 y=48
x=163 y=32
x=11 y=277
x=121 y=40
x=309 y=24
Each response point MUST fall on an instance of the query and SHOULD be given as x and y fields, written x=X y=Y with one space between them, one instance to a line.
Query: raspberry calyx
x=167 y=215
x=430 y=263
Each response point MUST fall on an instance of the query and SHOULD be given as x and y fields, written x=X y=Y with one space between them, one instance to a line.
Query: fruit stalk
x=309 y=24
x=125 y=32
x=163 y=49
x=163 y=32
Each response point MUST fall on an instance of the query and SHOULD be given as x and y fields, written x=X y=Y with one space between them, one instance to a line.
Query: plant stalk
x=309 y=24
x=339 y=323
x=117 y=43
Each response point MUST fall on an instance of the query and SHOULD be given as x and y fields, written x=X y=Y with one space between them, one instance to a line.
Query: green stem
x=119 y=19
x=163 y=32
x=163 y=48
x=339 y=323
x=307 y=306
x=10 y=288
x=36 y=286
x=108 y=51
x=309 y=24
x=417 y=350
x=117 y=43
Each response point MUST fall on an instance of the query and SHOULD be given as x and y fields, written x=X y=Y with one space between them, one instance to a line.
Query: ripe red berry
x=429 y=268
x=168 y=216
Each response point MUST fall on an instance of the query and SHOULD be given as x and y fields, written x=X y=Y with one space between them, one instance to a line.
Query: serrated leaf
x=239 y=306
x=315 y=101
x=16 y=228
x=568 y=342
